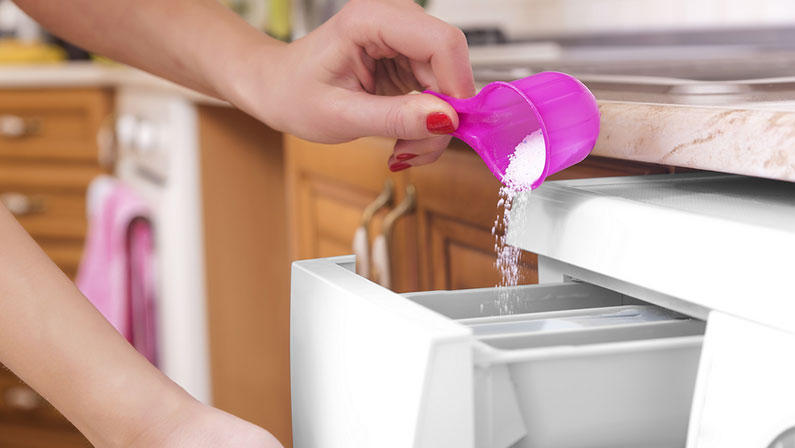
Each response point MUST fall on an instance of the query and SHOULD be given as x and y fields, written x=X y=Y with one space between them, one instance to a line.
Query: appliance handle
x=385 y=198
x=361 y=239
x=382 y=262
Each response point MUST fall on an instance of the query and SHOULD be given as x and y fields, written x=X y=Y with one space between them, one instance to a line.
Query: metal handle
x=384 y=199
x=382 y=265
x=14 y=126
x=22 y=205
x=22 y=398
x=404 y=208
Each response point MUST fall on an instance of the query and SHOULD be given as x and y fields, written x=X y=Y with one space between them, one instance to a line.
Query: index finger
x=405 y=28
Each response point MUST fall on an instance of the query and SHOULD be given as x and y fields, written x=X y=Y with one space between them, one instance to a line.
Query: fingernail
x=405 y=156
x=398 y=167
x=439 y=123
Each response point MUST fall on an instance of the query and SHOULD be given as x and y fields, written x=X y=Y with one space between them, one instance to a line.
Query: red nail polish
x=398 y=167
x=439 y=123
x=405 y=156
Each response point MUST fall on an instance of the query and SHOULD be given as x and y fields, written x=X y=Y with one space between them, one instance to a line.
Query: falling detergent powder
x=526 y=165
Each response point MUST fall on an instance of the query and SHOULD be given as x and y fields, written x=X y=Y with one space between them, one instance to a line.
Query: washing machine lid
x=714 y=241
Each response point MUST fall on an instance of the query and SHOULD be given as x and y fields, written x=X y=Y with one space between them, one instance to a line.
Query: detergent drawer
x=695 y=242
x=573 y=365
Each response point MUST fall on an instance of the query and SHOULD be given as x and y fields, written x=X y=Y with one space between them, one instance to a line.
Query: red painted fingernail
x=439 y=123
x=398 y=167
x=405 y=156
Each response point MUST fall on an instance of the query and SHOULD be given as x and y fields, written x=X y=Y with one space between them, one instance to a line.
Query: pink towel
x=117 y=270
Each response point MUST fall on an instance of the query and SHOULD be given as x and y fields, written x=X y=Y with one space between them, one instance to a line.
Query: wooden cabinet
x=247 y=267
x=447 y=242
x=48 y=156
x=457 y=207
x=27 y=420
x=329 y=187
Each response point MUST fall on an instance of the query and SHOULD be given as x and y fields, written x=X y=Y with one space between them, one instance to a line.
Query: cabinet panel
x=22 y=436
x=48 y=156
x=330 y=248
x=47 y=214
x=328 y=188
x=20 y=403
x=446 y=243
x=247 y=267
x=457 y=206
x=27 y=420
x=461 y=256
x=337 y=209
x=52 y=124
x=65 y=254
x=36 y=177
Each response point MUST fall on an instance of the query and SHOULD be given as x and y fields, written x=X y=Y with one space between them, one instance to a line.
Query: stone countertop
x=753 y=140
x=740 y=135
x=738 y=127
x=87 y=74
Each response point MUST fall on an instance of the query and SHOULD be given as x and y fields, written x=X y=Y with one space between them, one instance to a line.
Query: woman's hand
x=195 y=425
x=349 y=78
x=59 y=344
x=331 y=86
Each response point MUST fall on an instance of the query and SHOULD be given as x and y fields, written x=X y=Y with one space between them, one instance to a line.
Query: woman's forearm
x=54 y=339
x=161 y=37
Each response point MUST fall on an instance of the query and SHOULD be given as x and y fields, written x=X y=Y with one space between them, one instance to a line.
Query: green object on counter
x=279 y=19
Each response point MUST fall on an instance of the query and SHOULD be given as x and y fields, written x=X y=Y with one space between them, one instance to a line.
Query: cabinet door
x=28 y=421
x=329 y=186
x=52 y=124
x=246 y=267
x=48 y=156
x=456 y=209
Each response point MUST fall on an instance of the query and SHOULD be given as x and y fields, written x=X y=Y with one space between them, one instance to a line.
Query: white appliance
x=158 y=154
x=585 y=360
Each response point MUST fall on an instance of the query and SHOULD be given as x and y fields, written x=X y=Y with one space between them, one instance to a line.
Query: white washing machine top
x=691 y=242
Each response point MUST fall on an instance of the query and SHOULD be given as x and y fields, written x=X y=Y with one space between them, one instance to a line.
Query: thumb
x=410 y=117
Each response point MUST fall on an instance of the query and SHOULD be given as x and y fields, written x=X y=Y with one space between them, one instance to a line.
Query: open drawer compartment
x=374 y=368
x=627 y=385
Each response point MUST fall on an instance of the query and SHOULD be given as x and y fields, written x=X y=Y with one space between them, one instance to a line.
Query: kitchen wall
x=525 y=18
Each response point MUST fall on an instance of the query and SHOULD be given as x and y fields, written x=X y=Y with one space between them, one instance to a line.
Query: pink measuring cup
x=502 y=114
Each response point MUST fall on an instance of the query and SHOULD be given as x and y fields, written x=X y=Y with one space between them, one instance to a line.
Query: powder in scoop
x=526 y=164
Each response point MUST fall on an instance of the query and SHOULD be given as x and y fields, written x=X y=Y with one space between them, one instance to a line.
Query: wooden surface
x=65 y=122
x=329 y=186
x=457 y=209
x=447 y=243
x=16 y=435
x=52 y=166
x=247 y=268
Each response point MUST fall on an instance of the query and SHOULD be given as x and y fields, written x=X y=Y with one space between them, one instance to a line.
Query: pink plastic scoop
x=497 y=119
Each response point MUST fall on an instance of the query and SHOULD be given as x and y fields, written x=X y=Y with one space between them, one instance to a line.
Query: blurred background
x=178 y=215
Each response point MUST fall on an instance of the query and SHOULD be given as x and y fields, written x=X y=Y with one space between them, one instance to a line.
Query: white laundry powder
x=525 y=167
x=526 y=164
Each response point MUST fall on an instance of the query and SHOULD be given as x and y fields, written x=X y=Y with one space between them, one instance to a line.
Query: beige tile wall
x=523 y=17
